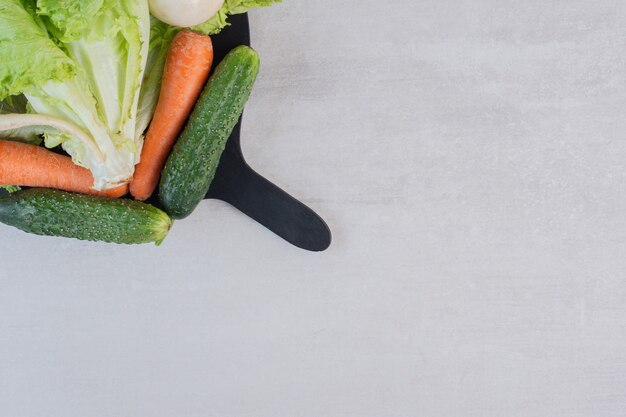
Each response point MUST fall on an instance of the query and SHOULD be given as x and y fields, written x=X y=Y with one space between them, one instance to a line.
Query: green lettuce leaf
x=161 y=35
x=29 y=134
x=109 y=39
x=28 y=57
x=9 y=188
x=230 y=7
x=69 y=19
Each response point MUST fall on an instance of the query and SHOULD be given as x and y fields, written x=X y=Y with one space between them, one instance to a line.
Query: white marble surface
x=469 y=157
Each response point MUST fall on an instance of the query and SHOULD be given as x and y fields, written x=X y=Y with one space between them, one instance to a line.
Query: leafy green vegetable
x=161 y=35
x=9 y=188
x=242 y=6
x=83 y=62
x=29 y=134
x=216 y=23
x=28 y=58
x=110 y=40
x=230 y=7
x=70 y=19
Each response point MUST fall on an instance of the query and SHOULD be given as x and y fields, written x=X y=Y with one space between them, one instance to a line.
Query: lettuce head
x=82 y=62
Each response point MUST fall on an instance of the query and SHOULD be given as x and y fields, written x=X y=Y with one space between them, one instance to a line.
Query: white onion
x=184 y=13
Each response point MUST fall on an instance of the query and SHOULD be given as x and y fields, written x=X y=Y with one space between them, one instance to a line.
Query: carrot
x=186 y=71
x=34 y=166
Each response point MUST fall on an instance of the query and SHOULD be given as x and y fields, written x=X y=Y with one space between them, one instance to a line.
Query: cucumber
x=58 y=213
x=191 y=166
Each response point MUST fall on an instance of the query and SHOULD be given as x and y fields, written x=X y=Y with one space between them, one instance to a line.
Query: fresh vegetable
x=220 y=20
x=191 y=166
x=184 y=13
x=89 y=75
x=83 y=62
x=57 y=213
x=110 y=41
x=9 y=188
x=206 y=16
x=34 y=166
x=161 y=36
x=15 y=122
x=186 y=72
x=29 y=134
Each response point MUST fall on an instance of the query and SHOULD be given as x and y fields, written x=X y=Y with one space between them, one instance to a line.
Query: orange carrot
x=34 y=166
x=186 y=71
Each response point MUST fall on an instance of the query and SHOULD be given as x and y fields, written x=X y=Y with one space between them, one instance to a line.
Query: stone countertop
x=469 y=158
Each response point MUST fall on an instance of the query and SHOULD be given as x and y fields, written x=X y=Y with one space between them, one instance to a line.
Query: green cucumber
x=58 y=213
x=191 y=166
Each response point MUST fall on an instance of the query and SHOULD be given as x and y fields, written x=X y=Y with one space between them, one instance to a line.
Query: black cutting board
x=239 y=185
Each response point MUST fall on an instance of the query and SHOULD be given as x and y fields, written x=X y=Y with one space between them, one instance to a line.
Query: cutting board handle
x=239 y=185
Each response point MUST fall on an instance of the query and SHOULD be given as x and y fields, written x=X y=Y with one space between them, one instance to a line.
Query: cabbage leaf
x=218 y=22
x=83 y=62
